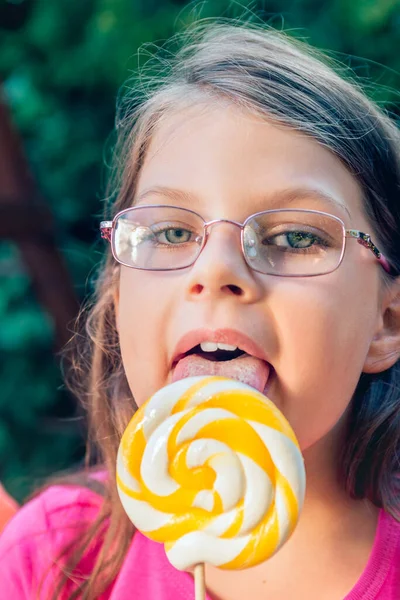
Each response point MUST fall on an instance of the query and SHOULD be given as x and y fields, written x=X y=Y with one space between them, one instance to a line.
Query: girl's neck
x=328 y=550
x=330 y=517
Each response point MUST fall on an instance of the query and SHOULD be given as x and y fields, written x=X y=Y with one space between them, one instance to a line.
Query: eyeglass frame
x=107 y=229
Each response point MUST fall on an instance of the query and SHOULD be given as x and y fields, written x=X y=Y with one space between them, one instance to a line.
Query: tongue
x=246 y=369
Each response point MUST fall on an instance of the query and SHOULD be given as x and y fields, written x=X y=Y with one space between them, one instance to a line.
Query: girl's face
x=308 y=337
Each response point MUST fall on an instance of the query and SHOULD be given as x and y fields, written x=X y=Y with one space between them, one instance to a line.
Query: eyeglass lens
x=284 y=242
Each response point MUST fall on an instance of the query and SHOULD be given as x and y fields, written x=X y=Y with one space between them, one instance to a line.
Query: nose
x=221 y=269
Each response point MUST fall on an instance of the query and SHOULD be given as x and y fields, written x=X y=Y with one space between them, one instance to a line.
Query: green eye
x=300 y=239
x=177 y=236
x=296 y=240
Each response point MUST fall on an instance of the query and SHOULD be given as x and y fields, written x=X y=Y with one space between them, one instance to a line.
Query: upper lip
x=224 y=336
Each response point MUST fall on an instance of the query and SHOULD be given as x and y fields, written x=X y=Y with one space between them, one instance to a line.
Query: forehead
x=219 y=159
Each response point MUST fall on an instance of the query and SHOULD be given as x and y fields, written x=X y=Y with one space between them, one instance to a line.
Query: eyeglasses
x=283 y=242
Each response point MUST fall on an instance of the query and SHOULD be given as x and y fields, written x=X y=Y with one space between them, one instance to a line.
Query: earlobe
x=384 y=350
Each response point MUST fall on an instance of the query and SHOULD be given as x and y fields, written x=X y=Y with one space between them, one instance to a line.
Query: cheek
x=142 y=314
x=325 y=332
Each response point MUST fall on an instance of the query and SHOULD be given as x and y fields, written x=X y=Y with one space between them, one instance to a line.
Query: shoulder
x=34 y=538
x=60 y=507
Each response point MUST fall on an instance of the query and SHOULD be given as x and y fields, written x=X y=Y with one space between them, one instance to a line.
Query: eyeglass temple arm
x=105 y=230
x=365 y=240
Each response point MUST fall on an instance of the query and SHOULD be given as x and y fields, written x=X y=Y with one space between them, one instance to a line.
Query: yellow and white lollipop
x=211 y=468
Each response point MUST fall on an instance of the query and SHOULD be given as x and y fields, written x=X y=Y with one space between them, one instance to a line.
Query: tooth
x=209 y=346
x=227 y=347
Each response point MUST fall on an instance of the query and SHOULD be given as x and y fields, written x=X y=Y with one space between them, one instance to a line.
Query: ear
x=384 y=350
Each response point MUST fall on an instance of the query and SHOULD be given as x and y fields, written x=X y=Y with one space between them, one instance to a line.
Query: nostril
x=197 y=289
x=236 y=290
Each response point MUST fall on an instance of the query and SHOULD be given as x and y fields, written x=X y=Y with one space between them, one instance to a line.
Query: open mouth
x=218 y=355
x=213 y=358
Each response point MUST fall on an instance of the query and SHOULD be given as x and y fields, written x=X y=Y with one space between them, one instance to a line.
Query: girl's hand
x=8 y=507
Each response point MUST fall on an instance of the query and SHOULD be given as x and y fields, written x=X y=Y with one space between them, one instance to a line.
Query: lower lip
x=269 y=382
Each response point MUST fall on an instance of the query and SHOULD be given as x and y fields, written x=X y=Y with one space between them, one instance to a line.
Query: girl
x=248 y=133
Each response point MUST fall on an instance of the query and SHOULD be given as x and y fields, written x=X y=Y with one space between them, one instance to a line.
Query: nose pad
x=250 y=242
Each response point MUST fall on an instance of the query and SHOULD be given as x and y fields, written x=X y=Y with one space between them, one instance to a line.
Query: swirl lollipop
x=211 y=468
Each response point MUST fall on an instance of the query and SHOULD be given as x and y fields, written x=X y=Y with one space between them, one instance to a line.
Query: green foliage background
x=61 y=72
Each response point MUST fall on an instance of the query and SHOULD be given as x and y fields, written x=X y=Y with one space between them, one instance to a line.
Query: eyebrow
x=284 y=196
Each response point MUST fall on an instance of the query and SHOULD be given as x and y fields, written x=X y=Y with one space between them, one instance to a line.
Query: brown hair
x=286 y=81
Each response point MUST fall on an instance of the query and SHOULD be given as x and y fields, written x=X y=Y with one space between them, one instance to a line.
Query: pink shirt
x=32 y=540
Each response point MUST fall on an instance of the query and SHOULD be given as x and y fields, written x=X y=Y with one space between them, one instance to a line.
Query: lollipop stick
x=199 y=582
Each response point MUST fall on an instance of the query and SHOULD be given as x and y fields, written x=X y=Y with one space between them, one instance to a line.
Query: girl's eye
x=295 y=239
x=174 y=235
